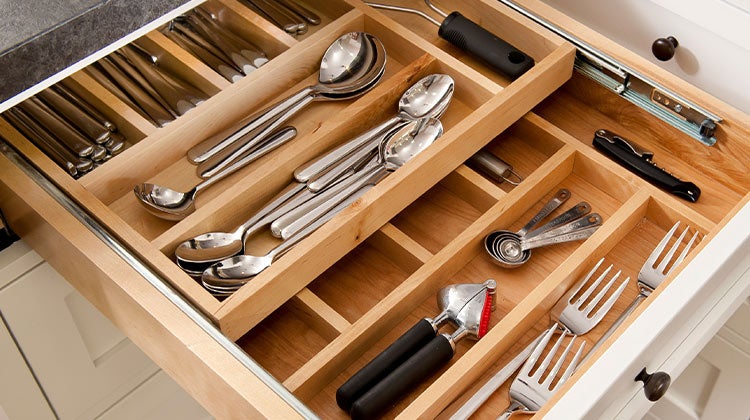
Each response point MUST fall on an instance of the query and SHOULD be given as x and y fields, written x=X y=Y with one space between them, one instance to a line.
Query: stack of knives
x=226 y=52
x=289 y=15
x=69 y=130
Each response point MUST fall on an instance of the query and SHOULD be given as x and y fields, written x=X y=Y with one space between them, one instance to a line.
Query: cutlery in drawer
x=638 y=160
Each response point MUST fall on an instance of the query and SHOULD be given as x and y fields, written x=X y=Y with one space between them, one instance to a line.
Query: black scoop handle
x=387 y=393
x=472 y=38
x=397 y=353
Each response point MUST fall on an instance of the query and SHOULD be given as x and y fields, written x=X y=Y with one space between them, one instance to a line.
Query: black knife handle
x=379 y=367
x=468 y=36
x=647 y=169
x=386 y=393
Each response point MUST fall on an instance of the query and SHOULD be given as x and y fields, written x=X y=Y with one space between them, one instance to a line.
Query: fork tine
x=553 y=372
x=531 y=361
x=599 y=296
x=612 y=298
x=685 y=250
x=668 y=257
x=571 y=367
x=659 y=248
x=593 y=286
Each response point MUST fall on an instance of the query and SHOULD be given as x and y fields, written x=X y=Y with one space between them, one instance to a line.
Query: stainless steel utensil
x=238 y=270
x=169 y=204
x=399 y=147
x=529 y=392
x=351 y=66
x=652 y=275
x=244 y=47
x=86 y=124
x=512 y=249
x=228 y=70
x=59 y=128
x=73 y=98
x=282 y=17
x=429 y=97
x=576 y=317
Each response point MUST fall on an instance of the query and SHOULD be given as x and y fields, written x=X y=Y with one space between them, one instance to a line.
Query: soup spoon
x=166 y=203
x=429 y=97
x=397 y=150
x=351 y=65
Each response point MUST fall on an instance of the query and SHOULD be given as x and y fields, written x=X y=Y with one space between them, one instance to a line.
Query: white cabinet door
x=83 y=363
x=20 y=396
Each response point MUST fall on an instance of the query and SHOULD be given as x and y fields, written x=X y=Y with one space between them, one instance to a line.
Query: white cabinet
x=715 y=384
x=58 y=345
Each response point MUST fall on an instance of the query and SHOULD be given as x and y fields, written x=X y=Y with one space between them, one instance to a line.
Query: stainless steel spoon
x=213 y=280
x=397 y=148
x=429 y=97
x=169 y=204
x=351 y=66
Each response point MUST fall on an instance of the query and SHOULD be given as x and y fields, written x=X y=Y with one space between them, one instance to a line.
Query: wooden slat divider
x=185 y=64
x=318 y=314
x=401 y=249
x=470 y=185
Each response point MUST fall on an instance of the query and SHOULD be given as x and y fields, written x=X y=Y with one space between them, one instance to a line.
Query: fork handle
x=397 y=353
x=403 y=379
x=634 y=304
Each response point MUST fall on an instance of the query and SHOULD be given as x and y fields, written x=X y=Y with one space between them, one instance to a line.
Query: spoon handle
x=559 y=198
x=209 y=147
x=275 y=140
x=316 y=166
x=285 y=246
x=255 y=139
x=313 y=210
x=345 y=166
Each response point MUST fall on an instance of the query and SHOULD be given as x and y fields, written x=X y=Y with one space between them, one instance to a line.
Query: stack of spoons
x=217 y=257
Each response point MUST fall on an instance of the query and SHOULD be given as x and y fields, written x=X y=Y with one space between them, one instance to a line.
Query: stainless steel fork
x=652 y=275
x=576 y=318
x=529 y=392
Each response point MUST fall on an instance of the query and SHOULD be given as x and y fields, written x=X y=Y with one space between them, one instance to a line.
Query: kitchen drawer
x=348 y=290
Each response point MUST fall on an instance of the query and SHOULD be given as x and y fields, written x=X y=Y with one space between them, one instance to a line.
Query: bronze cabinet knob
x=655 y=384
x=664 y=48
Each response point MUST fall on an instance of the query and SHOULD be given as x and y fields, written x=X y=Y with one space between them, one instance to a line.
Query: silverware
x=145 y=102
x=83 y=105
x=169 y=204
x=60 y=130
x=73 y=164
x=283 y=18
x=576 y=317
x=363 y=64
x=89 y=126
x=227 y=70
x=651 y=276
x=529 y=392
x=429 y=97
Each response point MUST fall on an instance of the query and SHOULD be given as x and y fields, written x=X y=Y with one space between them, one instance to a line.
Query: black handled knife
x=638 y=160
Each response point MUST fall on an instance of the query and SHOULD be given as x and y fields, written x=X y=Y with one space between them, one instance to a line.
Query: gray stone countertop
x=41 y=38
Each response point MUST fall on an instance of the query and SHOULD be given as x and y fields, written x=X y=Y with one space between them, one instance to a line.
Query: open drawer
x=339 y=297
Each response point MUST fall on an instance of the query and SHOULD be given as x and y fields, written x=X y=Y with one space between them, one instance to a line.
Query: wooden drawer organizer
x=347 y=291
